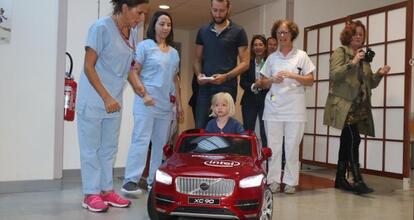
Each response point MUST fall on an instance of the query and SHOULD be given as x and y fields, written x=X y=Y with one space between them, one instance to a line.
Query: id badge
x=132 y=65
x=272 y=98
x=172 y=99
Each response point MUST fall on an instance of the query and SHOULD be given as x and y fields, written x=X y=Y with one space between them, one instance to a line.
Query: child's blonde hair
x=226 y=97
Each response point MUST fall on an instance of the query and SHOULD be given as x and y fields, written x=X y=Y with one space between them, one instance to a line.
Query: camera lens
x=369 y=55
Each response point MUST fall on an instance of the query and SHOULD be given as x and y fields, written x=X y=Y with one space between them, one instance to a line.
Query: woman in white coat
x=285 y=72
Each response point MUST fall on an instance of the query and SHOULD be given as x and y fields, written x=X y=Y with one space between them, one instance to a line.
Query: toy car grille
x=204 y=186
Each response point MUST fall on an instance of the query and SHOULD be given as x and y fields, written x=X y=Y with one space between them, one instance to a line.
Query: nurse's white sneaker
x=290 y=189
x=274 y=188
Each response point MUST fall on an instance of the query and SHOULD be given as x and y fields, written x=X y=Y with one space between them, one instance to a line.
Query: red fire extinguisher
x=70 y=93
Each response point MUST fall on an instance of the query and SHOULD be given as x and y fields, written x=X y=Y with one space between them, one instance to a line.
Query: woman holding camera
x=348 y=106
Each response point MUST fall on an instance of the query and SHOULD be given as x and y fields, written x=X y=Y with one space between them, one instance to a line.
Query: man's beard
x=221 y=21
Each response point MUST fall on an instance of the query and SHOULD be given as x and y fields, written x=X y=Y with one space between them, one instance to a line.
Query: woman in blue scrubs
x=157 y=65
x=109 y=53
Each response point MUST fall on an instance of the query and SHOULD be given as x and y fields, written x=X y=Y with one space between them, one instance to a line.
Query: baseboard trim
x=48 y=185
x=74 y=174
x=30 y=186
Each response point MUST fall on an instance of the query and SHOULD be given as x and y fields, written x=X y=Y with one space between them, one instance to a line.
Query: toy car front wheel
x=266 y=211
x=153 y=213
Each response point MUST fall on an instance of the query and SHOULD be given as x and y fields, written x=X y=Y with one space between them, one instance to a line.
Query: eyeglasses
x=280 y=33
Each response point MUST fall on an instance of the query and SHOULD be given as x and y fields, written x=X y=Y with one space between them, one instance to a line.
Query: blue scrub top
x=157 y=75
x=113 y=64
x=232 y=127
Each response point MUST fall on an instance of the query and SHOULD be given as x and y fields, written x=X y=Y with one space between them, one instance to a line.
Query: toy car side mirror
x=267 y=152
x=168 y=150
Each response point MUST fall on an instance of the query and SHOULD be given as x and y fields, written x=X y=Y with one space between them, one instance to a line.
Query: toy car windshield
x=216 y=145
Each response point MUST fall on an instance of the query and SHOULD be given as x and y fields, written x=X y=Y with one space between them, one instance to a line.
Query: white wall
x=186 y=73
x=31 y=69
x=79 y=22
x=251 y=21
x=272 y=12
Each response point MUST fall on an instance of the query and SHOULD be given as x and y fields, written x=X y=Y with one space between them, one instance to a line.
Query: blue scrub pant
x=98 y=143
x=146 y=128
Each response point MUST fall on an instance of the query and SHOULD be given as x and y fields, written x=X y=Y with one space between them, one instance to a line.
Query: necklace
x=123 y=36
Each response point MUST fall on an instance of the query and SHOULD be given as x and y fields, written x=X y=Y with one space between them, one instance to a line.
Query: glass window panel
x=394 y=157
x=333 y=150
x=324 y=39
x=378 y=115
x=374 y=155
x=310 y=95
x=312 y=41
x=376 y=31
x=396 y=57
x=396 y=24
x=323 y=66
x=379 y=58
x=336 y=33
x=320 y=127
x=309 y=125
x=320 y=149
x=323 y=90
x=377 y=98
x=394 y=124
x=395 y=90
x=307 y=151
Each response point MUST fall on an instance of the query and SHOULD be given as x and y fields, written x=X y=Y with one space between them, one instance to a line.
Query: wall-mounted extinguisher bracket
x=70 y=93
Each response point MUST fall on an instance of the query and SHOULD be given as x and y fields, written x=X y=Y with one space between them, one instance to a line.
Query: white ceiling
x=191 y=14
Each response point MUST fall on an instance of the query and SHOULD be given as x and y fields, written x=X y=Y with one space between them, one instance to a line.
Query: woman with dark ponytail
x=253 y=98
x=157 y=66
x=109 y=53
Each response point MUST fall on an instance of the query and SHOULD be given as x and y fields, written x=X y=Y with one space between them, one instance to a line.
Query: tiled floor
x=312 y=201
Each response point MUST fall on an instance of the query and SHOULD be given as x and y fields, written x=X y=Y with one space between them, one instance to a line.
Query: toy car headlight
x=251 y=181
x=163 y=177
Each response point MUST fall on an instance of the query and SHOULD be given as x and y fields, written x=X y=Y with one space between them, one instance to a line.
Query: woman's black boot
x=340 y=180
x=359 y=186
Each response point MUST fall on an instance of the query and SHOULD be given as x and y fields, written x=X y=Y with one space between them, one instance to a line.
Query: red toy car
x=220 y=176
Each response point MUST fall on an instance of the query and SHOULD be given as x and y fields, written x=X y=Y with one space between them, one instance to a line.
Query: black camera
x=369 y=55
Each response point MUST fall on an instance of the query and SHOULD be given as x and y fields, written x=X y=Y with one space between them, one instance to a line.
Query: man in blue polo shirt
x=218 y=45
